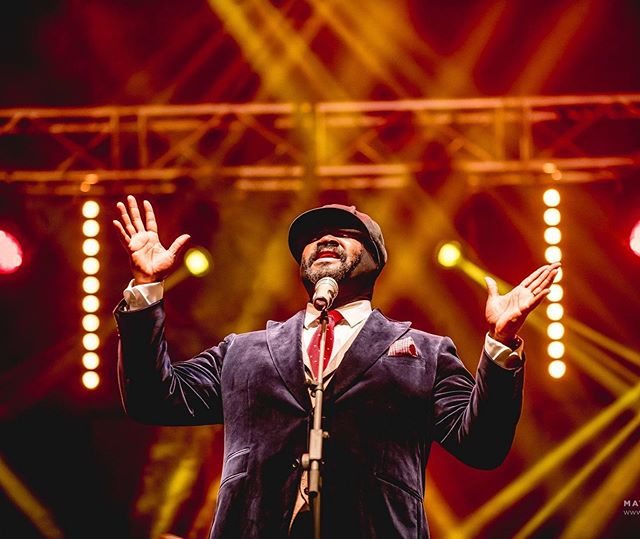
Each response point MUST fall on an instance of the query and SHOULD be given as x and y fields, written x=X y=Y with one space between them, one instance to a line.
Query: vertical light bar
x=90 y=288
x=553 y=253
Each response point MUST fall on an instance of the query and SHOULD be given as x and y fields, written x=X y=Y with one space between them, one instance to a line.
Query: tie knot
x=334 y=317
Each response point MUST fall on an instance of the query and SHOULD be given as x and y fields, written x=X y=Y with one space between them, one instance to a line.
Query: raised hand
x=506 y=313
x=150 y=261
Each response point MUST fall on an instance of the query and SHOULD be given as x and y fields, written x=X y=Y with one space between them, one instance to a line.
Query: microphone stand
x=312 y=460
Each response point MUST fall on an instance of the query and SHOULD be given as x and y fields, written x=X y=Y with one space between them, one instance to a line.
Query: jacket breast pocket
x=235 y=465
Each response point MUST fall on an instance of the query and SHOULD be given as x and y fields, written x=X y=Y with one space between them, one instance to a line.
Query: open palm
x=506 y=313
x=150 y=260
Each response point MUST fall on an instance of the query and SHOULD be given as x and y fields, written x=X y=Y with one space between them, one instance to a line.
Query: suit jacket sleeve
x=153 y=390
x=476 y=420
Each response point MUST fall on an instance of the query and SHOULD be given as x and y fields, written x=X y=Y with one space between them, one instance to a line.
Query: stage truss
x=340 y=145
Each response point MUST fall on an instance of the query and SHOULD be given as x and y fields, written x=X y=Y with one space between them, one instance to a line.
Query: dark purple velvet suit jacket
x=382 y=413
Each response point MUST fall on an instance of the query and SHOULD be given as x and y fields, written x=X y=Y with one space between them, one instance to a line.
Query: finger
x=178 y=244
x=492 y=287
x=150 y=217
x=537 y=300
x=539 y=281
x=546 y=282
x=123 y=236
x=136 y=218
x=125 y=219
x=533 y=276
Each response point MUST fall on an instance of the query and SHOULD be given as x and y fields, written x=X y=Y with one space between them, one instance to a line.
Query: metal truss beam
x=262 y=146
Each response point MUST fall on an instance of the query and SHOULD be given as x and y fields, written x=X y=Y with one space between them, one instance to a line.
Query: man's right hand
x=150 y=261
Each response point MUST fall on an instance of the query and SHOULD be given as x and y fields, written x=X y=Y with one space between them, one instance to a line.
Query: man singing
x=389 y=389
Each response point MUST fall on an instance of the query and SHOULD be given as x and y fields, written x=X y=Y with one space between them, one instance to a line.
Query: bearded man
x=389 y=390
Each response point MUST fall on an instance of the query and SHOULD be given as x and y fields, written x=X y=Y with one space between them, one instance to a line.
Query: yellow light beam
x=454 y=73
x=440 y=515
x=357 y=44
x=532 y=477
x=594 y=514
x=383 y=20
x=556 y=501
x=602 y=340
x=19 y=494
x=552 y=49
x=267 y=58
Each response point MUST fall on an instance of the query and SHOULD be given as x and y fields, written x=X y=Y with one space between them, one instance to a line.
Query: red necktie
x=314 y=346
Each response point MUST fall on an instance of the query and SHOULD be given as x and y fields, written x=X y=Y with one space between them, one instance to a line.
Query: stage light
x=555 y=349
x=449 y=254
x=90 y=247
x=552 y=216
x=552 y=235
x=198 y=261
x=549 y=168
x=555 y=312
x=90 y=266
x=557 y=368
x=555 y=293
x=555 y=331
x=559 y=275
x=10 y=253
x=90 y=360
x=91 y=379
x=634 y=239
x=90 y=322
x=90 y=285
x=90 y=209
x=551 y=197
x=90 y=341
x=90 y=228
x=90 y=304
x=553 y=254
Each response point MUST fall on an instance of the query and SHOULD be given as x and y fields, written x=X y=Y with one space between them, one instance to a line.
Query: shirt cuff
x=503 y=355
x=142 y=295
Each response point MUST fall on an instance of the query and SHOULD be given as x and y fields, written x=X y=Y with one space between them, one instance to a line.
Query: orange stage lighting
x=634 y=239
x=10 y=253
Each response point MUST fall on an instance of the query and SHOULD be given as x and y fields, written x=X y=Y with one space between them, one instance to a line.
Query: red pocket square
x=404 y=347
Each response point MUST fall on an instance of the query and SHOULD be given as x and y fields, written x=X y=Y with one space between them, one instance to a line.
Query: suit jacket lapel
x=372 y=342
x=284 y=340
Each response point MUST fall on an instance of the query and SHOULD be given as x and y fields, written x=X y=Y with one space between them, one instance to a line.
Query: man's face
x=337 y=253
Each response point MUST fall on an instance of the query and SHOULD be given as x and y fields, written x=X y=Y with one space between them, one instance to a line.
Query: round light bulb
x=90 y=209
x=552 y=235
x=90 y=304
x=555 y=349
x=90 y=228
x=90 y=247
x=555 y=292
x=552 y=216
x=555 y=331
x=91 y=266
x=90 y=360
x=91 y=379
x=90 y=285
x=90 y=341
x=555 y=312
x=557 y=368
x=90 y=322
x=551 y=197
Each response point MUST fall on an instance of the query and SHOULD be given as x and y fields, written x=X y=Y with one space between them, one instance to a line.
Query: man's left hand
x=506 y=313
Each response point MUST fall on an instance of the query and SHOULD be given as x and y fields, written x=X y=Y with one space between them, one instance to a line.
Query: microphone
x=325 y=292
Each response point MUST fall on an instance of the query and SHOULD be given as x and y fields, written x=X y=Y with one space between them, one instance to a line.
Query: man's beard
x=314 y=274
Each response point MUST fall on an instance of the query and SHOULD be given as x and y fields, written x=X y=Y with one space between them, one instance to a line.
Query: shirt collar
x=353 y=313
